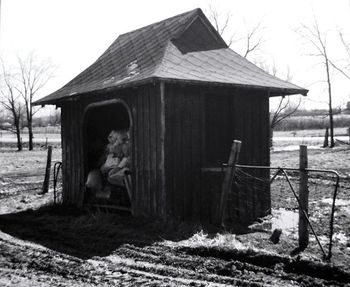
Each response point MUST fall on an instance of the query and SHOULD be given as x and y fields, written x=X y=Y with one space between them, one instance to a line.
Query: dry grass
x=26 y=162
x=337 y=159
x=202 y=239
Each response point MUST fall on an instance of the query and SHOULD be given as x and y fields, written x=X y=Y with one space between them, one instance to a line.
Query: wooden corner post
x=326 y=136
x=303 y=198
x=47 y=170
x=228 y=179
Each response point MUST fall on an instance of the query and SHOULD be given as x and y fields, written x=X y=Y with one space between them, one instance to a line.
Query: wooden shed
x=184 y=95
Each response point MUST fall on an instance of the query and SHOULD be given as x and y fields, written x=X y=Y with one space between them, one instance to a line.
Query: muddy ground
x=44 y=245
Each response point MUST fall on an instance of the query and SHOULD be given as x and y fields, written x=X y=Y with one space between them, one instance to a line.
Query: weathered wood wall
x=147 y=156
x=72 y=152
x=184 y=150
x=200 y=127
x=174 y=134
x=252 y=200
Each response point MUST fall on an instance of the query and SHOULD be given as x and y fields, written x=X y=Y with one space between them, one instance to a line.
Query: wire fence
x=285 y=203
x=21 y=183
x=57 y=183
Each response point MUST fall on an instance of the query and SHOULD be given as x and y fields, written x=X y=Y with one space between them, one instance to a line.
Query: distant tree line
x=52 y=119
x=310 y=122
x=322 y=112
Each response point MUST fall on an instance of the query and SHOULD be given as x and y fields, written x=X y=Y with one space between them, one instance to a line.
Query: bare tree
x=285 y=108
x=344 y=69
x=253 y=40
x=33 y=76
x=55 y=117
x=10 y=101
x=318 y=42
x=221 y=26
x=251 y=36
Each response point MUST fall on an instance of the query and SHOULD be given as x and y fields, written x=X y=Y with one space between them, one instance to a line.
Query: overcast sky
x=74 y=33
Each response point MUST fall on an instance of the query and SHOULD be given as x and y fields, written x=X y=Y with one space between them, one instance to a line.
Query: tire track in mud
x=161 y=260
x=155 y=265
x=128 y=266
x=180 y=267
x=305 y=272
x=28 y=260
x=31 y=263
x=36 y=263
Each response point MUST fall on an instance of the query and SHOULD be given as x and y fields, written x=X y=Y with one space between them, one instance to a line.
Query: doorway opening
x=107 y=154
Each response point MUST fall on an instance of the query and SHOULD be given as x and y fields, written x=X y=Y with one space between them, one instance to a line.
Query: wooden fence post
x=326 y=135
x=47 y=171
x=304 y=198
x=228 y=179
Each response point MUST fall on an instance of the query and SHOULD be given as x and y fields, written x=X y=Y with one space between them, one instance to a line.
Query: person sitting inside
x=118 y=157
x=116 y=161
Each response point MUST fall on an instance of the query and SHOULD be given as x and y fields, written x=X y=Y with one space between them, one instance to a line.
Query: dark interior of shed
x=99 y=122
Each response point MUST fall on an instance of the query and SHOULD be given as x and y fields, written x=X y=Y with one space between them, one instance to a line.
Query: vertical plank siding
x=140 y=200
x=177 y=130
x=183 y=152
x=200 y=127
x=147 y=155
x=253 y=199
x=72 y=154
x=161 y=153
x=64 y=151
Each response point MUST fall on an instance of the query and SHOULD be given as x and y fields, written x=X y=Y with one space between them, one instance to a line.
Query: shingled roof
x=184 y=48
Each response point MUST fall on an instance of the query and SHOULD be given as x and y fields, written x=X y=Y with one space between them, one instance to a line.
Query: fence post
x=47 y=171
x=228 y=178
x=304 y=198
x=326 y=135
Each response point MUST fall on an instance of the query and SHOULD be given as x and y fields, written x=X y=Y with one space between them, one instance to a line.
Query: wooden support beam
x=227 y=183
x=47 y=171
x=303 y=198
x=326 y=135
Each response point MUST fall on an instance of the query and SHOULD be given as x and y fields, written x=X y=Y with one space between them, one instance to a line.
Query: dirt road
x=28 y=264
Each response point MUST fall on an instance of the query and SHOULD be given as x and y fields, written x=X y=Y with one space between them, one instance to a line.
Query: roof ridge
x=194 y=11
x=159 y=65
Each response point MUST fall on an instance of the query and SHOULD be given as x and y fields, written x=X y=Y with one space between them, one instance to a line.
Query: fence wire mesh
x=57 y=183
x=322 y=185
